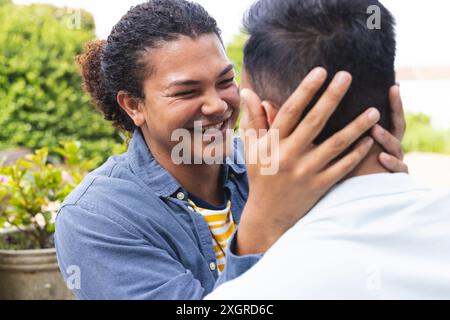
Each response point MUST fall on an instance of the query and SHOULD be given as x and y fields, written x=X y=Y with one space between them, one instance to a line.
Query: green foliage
x=5 y=2
x=421 y=136
x=31 y=191
x=41 y=95
x=235 y=53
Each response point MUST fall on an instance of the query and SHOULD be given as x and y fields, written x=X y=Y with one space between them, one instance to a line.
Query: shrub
x=40 y=86
x=421 y=136
x=31 y=191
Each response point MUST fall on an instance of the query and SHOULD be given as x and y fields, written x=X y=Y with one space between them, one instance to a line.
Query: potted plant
x=31 y=191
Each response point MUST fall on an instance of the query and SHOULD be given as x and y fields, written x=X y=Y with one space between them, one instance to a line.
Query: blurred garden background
x=43 y=106
x=43 y=103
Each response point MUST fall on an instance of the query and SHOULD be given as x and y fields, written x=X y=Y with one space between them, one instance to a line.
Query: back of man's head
x=288 y=38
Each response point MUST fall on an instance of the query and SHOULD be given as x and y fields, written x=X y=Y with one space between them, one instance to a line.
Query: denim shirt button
x=180 y=196
x=212 y=266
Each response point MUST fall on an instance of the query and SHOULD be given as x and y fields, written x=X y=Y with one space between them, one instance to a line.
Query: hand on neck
x=370 y=164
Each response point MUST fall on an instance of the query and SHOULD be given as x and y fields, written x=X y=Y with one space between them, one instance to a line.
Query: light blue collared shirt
x=131 y=233
x=379 y=236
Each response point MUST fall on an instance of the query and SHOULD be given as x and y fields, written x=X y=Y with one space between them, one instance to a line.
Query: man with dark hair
x=289 y=38
x=375 y=235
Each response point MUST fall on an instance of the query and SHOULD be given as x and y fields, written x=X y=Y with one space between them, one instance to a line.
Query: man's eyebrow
x=180 y=83
x=226 y=70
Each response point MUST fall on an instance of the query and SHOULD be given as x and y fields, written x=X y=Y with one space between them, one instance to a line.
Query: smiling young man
x=374 y=235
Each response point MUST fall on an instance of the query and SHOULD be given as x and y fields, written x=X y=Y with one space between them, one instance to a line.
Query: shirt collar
x=369 y=186
x=147 y=168
x=236 y=161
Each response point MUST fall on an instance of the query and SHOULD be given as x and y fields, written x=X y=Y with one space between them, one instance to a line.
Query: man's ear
x=133 y=107
x=270 y=110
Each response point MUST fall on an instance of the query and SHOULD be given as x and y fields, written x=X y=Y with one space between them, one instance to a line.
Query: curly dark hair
x=117 y=64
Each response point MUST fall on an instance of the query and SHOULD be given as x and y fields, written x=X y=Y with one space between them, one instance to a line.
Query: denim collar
x=147 y=168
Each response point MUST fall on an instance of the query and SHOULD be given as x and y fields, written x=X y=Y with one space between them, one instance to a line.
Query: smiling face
x=191 y=82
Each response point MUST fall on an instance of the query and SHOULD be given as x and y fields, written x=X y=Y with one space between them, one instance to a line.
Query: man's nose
x=214 y=106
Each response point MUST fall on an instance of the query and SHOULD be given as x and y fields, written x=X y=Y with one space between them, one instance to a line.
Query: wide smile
x=213 y=127
x=218 y=126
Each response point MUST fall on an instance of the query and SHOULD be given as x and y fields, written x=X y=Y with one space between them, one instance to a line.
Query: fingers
x=290 y=113
x=340 y=169
x=341 y=140
x=315 y=120
x=392 y=164
x=389 y=142
x=253 y=116
x=397 y=112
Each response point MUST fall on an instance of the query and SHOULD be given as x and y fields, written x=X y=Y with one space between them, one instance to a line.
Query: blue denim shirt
x=130 y=232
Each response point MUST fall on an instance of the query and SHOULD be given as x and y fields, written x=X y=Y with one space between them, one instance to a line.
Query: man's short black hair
x=288 y=38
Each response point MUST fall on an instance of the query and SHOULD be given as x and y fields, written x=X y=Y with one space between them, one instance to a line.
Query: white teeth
x=217 y=127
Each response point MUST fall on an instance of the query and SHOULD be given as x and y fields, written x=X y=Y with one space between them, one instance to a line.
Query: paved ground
x=429 y=168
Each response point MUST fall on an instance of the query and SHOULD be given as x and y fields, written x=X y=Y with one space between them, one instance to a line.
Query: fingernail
x=342 y=78
x=373 y=115
x=369 y=142
x=318 y=74
x=380 y=130
x=385 y=157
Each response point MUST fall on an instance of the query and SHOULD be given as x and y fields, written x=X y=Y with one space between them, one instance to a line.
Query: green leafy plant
x=40 y=86
x=31 y=191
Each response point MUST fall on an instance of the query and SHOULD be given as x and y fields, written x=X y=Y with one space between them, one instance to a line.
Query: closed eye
x=185 y=93
x=227 y=81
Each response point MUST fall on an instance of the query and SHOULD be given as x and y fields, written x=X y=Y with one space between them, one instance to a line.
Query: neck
x=370 y=165
x=201 y=180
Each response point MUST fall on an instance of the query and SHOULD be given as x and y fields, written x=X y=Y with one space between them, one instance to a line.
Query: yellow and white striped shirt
x=221 y=225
